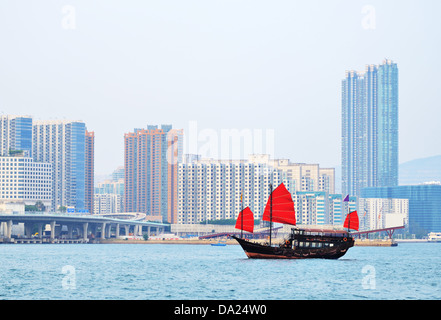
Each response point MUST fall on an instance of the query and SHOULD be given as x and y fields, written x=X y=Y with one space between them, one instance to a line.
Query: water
x=137 y=271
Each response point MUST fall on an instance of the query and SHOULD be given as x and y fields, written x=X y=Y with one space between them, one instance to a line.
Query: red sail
x=282 y=207
x=248 y=220
x=351 y=221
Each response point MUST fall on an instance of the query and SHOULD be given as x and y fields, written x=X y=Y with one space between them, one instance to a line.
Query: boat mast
x=271 y=212
x=349 y=210
x=241 y=219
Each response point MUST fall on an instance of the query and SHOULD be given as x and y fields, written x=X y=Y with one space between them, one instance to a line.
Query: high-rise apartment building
x=89 y=170
x=24 y=181
x=109 y=194
x=63 y=144
x=110 y=187
x=387 y=124
x=118 y=174
x=321 y=208
x=15 y=134
x=304 y=176
x=379 y=213
x=370 y=128
x=151 y=157
x=107 y=203
x=210 y=189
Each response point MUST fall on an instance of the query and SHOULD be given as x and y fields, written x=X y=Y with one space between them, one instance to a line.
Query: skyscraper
x=62 y=143
x=15 y=134
x=89 y=170
x=150 y=160
x=387 y=129
x=370 y=128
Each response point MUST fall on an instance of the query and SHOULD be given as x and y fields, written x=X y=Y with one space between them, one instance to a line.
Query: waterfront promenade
x=40 y=227
x=358 y=243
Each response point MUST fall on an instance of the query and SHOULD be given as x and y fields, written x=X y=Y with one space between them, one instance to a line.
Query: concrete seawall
x=358 y=242
x=206 y=242
x=375 y=243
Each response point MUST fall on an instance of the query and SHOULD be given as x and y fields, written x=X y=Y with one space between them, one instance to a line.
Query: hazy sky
x=226 y=64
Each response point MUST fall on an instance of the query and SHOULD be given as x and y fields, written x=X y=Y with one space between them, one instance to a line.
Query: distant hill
x=420 y=170
x=101 y=178
x=412 y=172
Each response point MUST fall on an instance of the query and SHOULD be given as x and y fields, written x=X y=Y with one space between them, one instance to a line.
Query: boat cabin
x=316 y=238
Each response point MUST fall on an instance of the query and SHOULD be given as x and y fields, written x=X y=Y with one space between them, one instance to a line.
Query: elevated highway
x=76 y=226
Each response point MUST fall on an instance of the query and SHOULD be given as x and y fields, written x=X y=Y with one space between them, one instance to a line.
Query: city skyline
x=279 y=70
x=177 y=152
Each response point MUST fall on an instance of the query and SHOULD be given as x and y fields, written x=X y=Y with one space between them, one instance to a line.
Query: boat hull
x=259 y=251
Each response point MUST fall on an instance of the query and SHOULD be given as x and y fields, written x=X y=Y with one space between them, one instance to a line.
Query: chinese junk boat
x=301 y=243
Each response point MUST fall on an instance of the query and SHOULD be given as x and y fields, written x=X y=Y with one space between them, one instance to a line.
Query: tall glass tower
x=15 y=134
x=387 y=132
x=62 y=143
x=370 y=128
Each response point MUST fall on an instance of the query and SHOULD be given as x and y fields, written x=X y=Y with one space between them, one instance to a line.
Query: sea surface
x=190 y=272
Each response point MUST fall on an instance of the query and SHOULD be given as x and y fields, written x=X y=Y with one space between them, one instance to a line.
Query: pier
x=389 y=231
x=366 y=242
